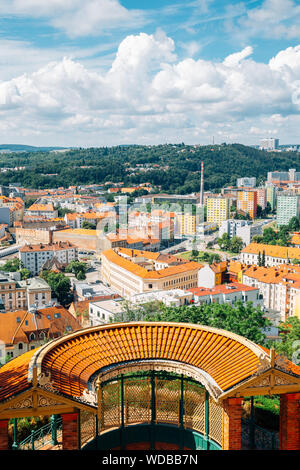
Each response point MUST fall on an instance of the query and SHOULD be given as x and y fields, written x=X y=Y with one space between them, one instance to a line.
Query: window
x=32 y=337
x=20 y=346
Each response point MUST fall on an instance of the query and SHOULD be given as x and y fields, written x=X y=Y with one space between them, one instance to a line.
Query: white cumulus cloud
x=149 y=95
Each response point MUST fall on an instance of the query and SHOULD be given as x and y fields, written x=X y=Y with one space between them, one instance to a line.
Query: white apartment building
x=33 y=257
x=227 y=294
x=103 y=311
x=171 y=298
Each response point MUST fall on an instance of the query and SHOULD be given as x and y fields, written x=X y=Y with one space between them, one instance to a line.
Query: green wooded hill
x=175 y=168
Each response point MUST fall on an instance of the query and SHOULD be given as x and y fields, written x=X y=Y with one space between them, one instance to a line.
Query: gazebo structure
x=149 y=385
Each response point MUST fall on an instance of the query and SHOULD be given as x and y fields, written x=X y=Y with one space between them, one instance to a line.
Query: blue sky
x=109 y=72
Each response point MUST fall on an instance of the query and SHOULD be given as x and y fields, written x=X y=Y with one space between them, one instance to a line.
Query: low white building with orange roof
x=132 y=272
x=43 y=210
x=227 y=294
x=274 y=254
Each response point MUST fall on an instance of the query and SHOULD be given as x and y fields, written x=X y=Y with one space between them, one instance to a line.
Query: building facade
x=33 y=257
x=288 y=206
x=217 y=209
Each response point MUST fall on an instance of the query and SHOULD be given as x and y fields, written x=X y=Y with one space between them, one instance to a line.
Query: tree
x=25 y=273
x=263 y=258
x=294 y=224
x=242 y=319
x=88 y=225
x=236 y=244
x=78 y=268
x=289 y=346
x=60 y=285
x=259 y=259
x=12 y=265
x=224 y=242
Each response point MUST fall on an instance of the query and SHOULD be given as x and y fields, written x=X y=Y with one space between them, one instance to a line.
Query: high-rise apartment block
x=288 y=206
x=247 y=202
x=271 y=194
x=269 y=144
x=217 y=209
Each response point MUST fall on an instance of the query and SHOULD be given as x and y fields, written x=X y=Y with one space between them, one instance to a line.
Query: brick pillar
x=232 y=424
x=4 y=434
x=70 y=429
x=289 y=437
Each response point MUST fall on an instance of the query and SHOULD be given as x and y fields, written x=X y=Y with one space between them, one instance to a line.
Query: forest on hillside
x=173 y=168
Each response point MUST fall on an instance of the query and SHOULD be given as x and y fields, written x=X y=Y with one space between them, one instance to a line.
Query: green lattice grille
x=215 y=421
x=110 y=413
x=167 y=401
x=87 y=427
x=137 y=401
x=194 y=407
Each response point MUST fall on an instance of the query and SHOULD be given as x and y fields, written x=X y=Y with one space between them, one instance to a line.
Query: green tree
x=224 y=242
x=263 y=258
x=242 y=319
x=289 y=345
x=88 y=225
x=236 y=244
x=78 y=268
x=12 y=265
x=25 y=273
x=60 y=286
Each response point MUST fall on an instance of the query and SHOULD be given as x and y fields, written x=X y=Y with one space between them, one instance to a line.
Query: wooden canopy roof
x=225 y=360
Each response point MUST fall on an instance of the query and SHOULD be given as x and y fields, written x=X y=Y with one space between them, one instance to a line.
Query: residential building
x=42 y=210
x=279 y=177
x=227 y=294
x=23 y=330
x=247 y=202
x=171 y=298
x=279 y=287
x=248 y=231
x=212 y=275
x=274 y=254
x=33 y=257
x=269 y=143
x=271 y=194
x=131 y=272
x=104 y=311
x=217 y=209
x=246 y=182
x=187 y=224
x=261 y=197
x=20 y=294
x=288 y=206
x=230 y=226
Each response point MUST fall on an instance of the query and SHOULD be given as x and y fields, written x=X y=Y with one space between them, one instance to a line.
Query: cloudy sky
x=109 y=72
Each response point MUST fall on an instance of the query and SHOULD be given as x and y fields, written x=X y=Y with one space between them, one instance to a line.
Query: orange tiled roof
x=41 y=207
x=46 y=247
x=13 y=332
x=142 y=272
x=273 y=274
x=72 y=360
x=273 y=250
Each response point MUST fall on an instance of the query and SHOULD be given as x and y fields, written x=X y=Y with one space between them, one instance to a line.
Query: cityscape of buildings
x=83 y=257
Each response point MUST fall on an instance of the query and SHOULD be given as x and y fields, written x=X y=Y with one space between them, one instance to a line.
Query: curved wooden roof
x=72 y=360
